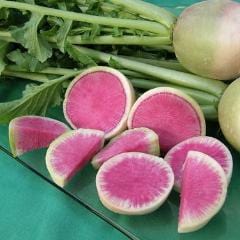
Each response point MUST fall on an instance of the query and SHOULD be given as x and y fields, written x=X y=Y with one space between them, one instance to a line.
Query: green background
x=33 y=208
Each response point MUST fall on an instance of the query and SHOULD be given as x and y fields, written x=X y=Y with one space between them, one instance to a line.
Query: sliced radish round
x=134 y=140
x=28 y=133
x=208 y=145
x=70 y=152
x=204 y=188
x=99 y=98
x=134 y=183
x=173 y=115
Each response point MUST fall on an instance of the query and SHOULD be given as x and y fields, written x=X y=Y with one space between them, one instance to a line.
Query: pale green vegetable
x=229 y=114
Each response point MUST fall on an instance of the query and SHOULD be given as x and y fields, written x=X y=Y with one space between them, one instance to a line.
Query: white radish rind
x=173 y=92
x=129 y=95
x=61 y=179
x=205 y=144
x=229 y=114
x=125 y=206
x=149 y=136
x=189 y=220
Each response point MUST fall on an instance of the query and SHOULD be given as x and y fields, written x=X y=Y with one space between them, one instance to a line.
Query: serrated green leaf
x=62 y=34
x=29 y=1
x=96 y=29
x=116 y=32
x=54 y=21
x=25 y=61
x=114 y=64
x=29 y=89
x=64 y=29
x=36 y=100
x=3 y=49
x=4 y=13
x=29 y=37
x=50 y=32
x=80 y=57
x=86 y=35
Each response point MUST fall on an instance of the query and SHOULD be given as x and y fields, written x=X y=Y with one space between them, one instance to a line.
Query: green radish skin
x=206 y=39
x=229 y=114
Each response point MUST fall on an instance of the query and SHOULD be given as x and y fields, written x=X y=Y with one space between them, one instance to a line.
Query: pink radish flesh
x=71 y=151
x=203 y=193
x=134 y=183
x=208 y=145
x=99 y=98
x=170 y=116
x=28 y=133
x=134 y=140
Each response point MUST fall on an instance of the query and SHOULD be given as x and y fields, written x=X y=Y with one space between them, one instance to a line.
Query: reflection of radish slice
x=99 y=98
x=134 y=183
x=204 y=188
x=133 y=140
x=208 y=145
x=28 y=133
x=173 y=115
x=70 y=152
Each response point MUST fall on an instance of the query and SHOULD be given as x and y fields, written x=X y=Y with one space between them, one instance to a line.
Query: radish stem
x=210 y=112
x=201 y=97
x=170 y=64
x=149 y=26
x=102 y=40
x=151 y=11
x=108 y=39
x=26 y=75
x=175 y=77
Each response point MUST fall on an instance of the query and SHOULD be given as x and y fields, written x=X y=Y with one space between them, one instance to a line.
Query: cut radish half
x=99 y=98
x=204 y=188
x=173 y=115
x=208 y=145
x=70 y=152
x=28 y=133
x=135 y=140
x=134 y=183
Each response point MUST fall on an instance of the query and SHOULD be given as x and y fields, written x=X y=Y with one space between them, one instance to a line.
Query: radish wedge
x=204 y=189
x=173 y=115
x=208 y=145
x=133 y=140
x=70 y=152
x=134 y=183
x=99 y=98
x=28 y=133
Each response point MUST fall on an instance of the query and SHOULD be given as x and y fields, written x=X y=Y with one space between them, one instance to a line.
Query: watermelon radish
x=204 y=188
x=70 y=152
x=208 y=145
x=229 y=114
x=206 y=39
x=134 y=183
x=99 y=98
x=28 y=133
x=134 y=140
x=173 y=115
